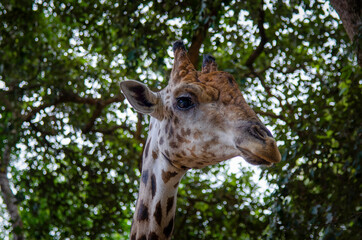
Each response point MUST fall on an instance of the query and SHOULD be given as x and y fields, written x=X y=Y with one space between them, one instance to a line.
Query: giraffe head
x=201 y=118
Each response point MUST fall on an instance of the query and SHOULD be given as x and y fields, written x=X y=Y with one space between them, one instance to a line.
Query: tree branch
x=122 y=126
x=66 y=97
x=267 y=88
x=97 y=112
x=270 y=114
x=8 y=195
x=256 y=53
x=196 y=43
x=200 y=34
x=111 y=130
x=350 y=13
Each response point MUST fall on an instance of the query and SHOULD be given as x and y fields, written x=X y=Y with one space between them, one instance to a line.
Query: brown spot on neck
x=197 y=134
x=154 y=155
x=166 y=176
x=169 y=204
x=161 y=141
x=170 y=134
x=168 y=230
x=153 y=236
x=167 y=127
x=142 y=213
x=185 y=132
x=147 y=147
x=173 y=144
x=182 y=139
x=175 y=120
x=133 y=237
x=158 y=213
x=143 y=237
x=153 y=185
x=145 y=176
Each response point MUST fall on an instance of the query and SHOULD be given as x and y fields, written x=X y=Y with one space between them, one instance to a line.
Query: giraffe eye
x=184 y=103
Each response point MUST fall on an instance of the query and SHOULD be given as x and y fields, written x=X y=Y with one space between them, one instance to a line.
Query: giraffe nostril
x=260 y=132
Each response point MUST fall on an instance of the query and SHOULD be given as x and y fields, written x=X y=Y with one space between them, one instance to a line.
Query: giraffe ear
x=140 y=96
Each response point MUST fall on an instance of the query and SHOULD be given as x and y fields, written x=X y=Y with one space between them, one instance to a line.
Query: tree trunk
x=201 y=33
x=8 y=196
x=350 y=12
x=196 y=43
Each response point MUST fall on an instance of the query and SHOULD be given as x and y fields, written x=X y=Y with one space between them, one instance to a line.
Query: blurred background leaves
x=71 y=146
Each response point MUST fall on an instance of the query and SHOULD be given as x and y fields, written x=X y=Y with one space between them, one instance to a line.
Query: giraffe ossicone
x=199 y=119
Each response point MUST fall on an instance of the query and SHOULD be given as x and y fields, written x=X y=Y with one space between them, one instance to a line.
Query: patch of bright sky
x=2 y=85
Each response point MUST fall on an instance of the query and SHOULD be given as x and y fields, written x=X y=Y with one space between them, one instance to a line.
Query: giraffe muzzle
x=260 y=147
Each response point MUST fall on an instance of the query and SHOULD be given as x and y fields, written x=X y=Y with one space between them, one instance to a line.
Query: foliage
x=76 y=144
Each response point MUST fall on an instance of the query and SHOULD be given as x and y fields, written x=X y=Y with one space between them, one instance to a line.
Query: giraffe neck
x=156 y=203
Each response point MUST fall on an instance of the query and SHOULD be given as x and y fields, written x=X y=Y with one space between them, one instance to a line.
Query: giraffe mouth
x=252 y=158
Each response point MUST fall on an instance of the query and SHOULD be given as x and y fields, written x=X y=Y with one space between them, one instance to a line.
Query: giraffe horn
x=208 y=64
x=183 y=70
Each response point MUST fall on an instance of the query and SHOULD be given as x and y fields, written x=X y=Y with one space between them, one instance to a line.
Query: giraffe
x=199 y=119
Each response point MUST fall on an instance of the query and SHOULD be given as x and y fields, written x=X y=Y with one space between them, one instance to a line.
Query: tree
x=70 y=145
x=350 y=13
